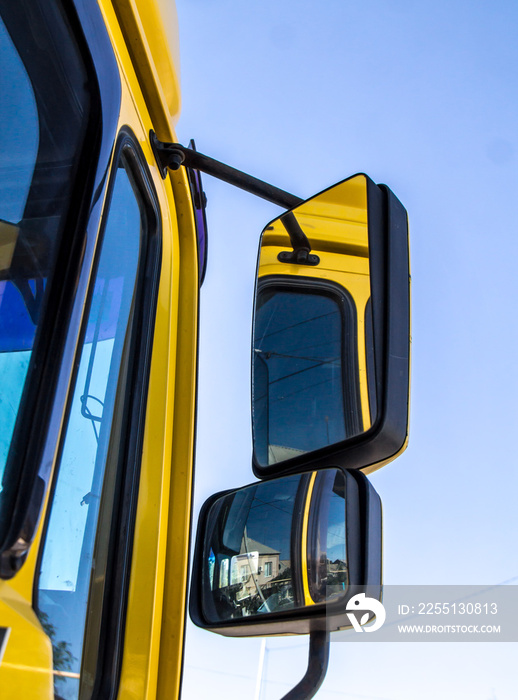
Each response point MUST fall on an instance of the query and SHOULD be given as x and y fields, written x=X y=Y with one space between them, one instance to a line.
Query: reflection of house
x=255 y=565
x=338 y=568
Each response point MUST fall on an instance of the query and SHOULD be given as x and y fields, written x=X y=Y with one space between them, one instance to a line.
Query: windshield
x=42 y=123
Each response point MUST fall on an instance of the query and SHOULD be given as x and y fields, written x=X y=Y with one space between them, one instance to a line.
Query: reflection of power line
x=304 y=388
x=300 y=371
x=300 y=323
x=271 y=504
x=319 y=345
x=337 y=535
x=333 y=360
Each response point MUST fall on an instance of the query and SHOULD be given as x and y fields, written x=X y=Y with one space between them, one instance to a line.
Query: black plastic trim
x=199 y=204
x=121 y=535
x=174 y=155
x=318 y=661
x=124 y=515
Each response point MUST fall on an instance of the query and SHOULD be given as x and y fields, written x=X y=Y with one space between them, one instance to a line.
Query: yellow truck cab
x=102 y=253
x=99 y=298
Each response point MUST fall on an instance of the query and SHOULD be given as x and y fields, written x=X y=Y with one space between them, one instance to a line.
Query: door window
x=85 y=492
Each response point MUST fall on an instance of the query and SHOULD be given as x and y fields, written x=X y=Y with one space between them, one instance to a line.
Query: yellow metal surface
x=355 y=280
x=26 y=667
x=180 y=494
x=150 y=29
x=144 y=610
x=153 y=644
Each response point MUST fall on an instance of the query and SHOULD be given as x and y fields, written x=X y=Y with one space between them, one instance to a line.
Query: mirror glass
x=276 y=545
x=313 y=358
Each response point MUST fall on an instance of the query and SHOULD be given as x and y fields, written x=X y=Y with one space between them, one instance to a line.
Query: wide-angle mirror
x=286 y=551
x=330 y=347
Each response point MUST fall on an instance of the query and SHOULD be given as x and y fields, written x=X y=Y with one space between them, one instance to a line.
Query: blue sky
x=422 y=97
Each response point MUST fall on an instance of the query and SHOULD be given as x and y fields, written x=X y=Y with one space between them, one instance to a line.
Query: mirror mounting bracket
x=318 y=660
x=174 y=155
x=301 y=254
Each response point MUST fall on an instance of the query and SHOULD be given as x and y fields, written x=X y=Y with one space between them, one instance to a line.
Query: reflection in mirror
x=312 y=347
x=328 y=575
x=306 y=396
x=275 y=546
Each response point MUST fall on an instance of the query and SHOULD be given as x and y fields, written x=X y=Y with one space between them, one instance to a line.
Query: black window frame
x=349 y=318
x=111 y=621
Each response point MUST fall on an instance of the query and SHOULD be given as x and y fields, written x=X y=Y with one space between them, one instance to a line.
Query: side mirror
x=285 y=556
x=331 y=333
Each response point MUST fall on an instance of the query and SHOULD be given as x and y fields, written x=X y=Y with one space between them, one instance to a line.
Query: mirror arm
x=301 y=254
x=318 y=660
x=173 y=155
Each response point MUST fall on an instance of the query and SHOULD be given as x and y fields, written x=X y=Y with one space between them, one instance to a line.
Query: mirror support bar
x=173 y=155
x=317 y=667
x=301 y=254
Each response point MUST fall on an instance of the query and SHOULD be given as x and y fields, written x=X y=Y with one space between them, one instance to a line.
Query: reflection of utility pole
x=326 y=418
x=260 y=668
